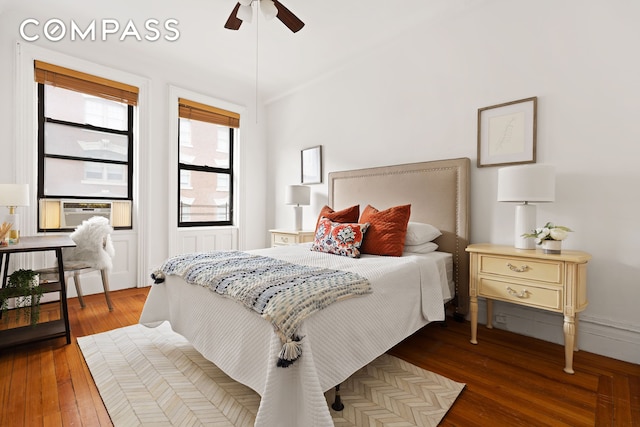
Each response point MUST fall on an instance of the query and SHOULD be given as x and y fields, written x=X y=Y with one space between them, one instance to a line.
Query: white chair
x=93 y=251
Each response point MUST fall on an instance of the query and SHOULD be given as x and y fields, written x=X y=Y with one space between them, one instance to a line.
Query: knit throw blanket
x=281 y=292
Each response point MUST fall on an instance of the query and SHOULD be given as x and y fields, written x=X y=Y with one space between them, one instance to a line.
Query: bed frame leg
x=458 y=317
x=337 y=403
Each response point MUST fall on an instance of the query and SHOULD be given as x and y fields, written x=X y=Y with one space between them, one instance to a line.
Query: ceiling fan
x=270 y=9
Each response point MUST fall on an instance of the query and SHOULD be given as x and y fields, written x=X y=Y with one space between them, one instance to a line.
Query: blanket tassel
x=337 y=402
x=290 y=352
x=157 y=276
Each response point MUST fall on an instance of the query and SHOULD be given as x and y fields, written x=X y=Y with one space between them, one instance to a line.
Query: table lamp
x=11 y=196
x=298 y=195
x=525 y=184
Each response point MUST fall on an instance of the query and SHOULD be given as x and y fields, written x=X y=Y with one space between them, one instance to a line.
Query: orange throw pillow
x=345 y=215
x=387 y=230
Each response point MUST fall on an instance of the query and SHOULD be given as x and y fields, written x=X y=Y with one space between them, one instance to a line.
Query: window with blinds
x=205 y=164
x=85 y=137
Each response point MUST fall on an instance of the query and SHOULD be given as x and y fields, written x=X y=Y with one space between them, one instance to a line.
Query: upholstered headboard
x=439 y=195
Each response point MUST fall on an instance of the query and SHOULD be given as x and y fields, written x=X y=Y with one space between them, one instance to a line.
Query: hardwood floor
x=511 y=380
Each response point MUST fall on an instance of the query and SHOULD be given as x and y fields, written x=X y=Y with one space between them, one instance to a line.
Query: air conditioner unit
x=73 y=212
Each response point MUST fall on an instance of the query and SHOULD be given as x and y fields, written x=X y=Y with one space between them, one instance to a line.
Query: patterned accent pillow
x=339 y=238
x=350 y=214
x=387 y=230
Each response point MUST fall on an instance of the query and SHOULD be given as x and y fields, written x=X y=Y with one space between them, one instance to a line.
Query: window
x=85 y=136
x=205 y=164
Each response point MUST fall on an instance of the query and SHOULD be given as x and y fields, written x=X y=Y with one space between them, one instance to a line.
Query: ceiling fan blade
x=288 y=18
x=233 y=23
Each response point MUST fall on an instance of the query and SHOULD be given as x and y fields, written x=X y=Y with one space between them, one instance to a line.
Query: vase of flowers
x=549 y=237
x=5 y=227
x=551 y=246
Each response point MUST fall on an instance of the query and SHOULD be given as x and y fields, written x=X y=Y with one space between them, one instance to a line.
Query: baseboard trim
x=597 y=335
x=610 y=323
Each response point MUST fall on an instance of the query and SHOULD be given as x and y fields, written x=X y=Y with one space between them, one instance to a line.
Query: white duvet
x=408 y=293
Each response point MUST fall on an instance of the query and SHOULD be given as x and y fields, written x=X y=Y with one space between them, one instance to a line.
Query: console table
x=44 y=330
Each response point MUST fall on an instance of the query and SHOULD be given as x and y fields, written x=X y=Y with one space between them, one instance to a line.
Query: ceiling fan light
x=245 y=13
x=268 y=8
x=245 y=2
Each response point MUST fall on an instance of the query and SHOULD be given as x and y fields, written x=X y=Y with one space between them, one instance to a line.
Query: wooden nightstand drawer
x=549 y=298
x=522 y=268
x=285 y=237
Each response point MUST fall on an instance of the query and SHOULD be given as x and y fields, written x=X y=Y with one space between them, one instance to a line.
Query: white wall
x=416 y=99
x=154 y=166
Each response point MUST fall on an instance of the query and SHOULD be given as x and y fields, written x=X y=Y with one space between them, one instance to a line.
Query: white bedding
x=407 y=294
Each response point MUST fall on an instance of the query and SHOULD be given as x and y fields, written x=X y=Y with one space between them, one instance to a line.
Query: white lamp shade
x=297 y=195
x=14 y=194
x=527 y=183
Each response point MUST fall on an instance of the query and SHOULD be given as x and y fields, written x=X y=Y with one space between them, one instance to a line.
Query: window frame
x=207 y=169
x=42 y=155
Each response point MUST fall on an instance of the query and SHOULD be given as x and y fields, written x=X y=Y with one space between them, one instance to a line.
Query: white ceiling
x=265 y=52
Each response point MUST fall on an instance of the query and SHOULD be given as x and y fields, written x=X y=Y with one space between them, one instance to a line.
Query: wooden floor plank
x=33 y=392
x=621 y=401
x=17 y=395
x=512 y=380
x=82 y=385
x=604 y=407
x=66 y=394
x=634 y=392
x=50 y=402
x=6 y=373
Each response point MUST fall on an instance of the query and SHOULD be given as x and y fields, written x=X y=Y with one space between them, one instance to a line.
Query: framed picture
x=507 y=133
x=311 y=169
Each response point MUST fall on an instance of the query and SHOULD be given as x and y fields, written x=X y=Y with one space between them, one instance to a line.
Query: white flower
x=544 y=232
x=558 y=234
x=549 y=232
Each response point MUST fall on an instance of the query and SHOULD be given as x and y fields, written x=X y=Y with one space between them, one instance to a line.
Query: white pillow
x=419 y=233
x=424 y=248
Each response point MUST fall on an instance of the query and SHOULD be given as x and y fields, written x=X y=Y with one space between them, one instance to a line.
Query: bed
x=346 y=335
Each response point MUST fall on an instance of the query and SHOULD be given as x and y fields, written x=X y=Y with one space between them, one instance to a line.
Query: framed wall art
x=311 y=165
x=507 y=133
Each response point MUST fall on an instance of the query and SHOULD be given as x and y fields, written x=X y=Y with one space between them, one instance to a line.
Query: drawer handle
x=517 y=269
x=513 y=293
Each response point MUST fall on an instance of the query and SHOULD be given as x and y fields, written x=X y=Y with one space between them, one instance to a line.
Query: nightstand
x=531 y=278
x=290 y=237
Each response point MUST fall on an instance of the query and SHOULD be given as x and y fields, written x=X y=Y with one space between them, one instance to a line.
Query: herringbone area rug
x=154 y=377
